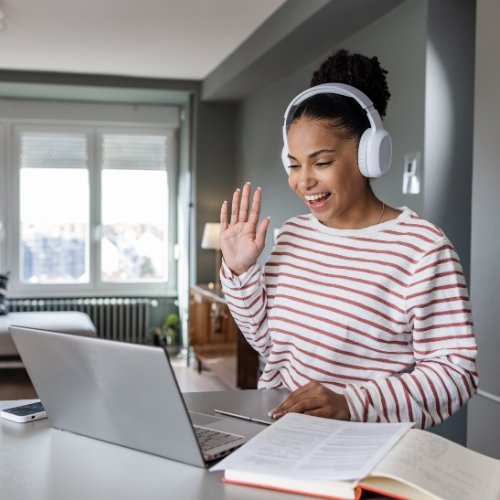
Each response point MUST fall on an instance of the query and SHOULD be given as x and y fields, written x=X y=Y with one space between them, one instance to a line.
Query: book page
x=441 y=467
x=306 y=447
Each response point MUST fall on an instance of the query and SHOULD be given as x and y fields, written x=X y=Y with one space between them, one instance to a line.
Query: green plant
x=171 y=327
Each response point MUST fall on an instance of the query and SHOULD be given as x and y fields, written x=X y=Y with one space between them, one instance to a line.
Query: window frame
x=130 y=288
x=10 y=251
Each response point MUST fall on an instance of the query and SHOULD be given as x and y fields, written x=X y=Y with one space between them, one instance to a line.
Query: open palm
x=242 y=238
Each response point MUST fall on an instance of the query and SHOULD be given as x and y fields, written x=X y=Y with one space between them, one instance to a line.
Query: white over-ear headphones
x=375 y=145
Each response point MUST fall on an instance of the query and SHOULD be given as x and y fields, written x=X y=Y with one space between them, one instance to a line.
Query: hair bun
x=359 y=71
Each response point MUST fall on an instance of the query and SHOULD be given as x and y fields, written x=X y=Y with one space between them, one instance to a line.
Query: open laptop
x=122 y=393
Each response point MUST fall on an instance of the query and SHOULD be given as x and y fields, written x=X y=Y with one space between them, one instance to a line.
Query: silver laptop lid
x=122 y=393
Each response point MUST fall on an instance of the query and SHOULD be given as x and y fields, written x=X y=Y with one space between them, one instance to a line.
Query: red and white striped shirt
x=379 y=314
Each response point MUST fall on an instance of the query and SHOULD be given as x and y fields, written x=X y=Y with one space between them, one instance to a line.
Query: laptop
x=122 y=393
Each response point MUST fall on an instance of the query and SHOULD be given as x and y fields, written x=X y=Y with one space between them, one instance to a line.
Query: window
x=54 y=208
x=134 y=204
x=94 y=210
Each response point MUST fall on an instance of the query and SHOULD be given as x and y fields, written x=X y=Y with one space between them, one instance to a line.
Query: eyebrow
x=316 y=153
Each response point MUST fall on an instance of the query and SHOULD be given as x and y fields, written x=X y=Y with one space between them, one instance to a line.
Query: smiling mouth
x=317 y=200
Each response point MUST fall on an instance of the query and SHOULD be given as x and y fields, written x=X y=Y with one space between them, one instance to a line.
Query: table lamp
x=211 y=241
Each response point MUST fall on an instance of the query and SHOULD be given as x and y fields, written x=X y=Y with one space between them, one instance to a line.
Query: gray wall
x=484 y=409
x=261 y=113
x=449 y=120
x=214 y=175
x=449 y=93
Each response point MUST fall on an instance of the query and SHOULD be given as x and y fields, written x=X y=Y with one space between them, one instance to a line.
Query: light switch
x=411 y=173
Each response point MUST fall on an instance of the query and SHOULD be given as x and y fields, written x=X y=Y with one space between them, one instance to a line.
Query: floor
x=190 y=380
x=16 y=384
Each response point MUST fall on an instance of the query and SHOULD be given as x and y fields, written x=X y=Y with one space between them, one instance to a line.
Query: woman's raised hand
x=242 y=239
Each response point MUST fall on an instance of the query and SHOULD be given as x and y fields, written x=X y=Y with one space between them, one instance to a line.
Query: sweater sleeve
x=248 y=303
x=444 y=375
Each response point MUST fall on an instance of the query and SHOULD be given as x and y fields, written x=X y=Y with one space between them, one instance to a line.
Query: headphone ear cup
x=374 y=153
x=363 y=152
x=379 y=153
x=285 y=159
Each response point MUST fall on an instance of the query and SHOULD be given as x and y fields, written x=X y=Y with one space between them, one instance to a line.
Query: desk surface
x=39 y=462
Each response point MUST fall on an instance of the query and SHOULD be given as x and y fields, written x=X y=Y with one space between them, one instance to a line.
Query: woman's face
x=324 y=173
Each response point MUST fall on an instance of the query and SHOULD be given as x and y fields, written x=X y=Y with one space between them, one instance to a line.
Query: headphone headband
x=336 y=88
x=375 y=147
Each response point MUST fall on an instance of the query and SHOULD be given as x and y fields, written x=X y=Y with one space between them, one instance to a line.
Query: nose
x=306 y=179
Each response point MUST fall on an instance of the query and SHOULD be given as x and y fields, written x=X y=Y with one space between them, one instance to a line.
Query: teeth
x=312 y=197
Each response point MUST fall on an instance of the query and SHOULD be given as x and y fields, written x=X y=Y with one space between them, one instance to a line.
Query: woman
x=362 y=309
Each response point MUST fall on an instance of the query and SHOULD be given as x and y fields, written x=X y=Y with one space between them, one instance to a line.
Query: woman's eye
x=324 y=163
x=293 y=166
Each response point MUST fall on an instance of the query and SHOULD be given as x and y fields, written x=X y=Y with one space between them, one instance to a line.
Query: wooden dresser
x=216 y=341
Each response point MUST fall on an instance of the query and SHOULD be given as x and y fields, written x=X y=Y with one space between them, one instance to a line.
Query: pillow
x=4 y=278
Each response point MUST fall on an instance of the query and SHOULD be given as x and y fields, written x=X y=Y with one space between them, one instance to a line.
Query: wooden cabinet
x=216 y=341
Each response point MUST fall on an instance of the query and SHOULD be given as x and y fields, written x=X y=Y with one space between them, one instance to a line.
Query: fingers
x=240 y=208
x=314 y=399
x=304 y=405
x=256 y=204
x=292 y=399
x=308 y=405
x=223 y=215
x=235 y=206
x=245 y=202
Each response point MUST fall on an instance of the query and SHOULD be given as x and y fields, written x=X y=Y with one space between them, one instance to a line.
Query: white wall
x=484 y=409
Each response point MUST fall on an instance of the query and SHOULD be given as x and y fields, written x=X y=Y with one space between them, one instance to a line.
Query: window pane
x=52 y=150
x=135 y=224
x=54 y=225
x=143 y=152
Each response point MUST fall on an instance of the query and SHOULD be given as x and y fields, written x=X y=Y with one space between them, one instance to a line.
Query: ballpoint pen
x=242 y=417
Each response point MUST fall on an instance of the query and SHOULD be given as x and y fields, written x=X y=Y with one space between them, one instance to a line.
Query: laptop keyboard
x=210 y=439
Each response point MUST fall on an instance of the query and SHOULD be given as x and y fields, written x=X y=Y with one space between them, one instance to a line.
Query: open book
x=333 y=459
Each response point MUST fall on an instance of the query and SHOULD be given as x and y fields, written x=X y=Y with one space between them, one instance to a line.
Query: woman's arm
x=242 y=241
x=444 y=376
x=248 y=303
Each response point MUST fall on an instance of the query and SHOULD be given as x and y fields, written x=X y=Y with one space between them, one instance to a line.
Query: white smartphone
x=25 y=413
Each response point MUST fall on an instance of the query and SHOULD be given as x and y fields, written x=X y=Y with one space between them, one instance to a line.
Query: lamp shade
x=211 y=236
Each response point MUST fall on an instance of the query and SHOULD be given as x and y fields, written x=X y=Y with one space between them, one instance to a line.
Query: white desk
x=37 y=462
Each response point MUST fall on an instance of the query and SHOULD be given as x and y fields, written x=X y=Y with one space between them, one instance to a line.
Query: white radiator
x=125 y=319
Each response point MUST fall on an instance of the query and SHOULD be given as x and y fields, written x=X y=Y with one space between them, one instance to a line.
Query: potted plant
x=168 y=334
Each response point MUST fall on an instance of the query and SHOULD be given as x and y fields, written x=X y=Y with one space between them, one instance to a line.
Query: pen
x=243 y=417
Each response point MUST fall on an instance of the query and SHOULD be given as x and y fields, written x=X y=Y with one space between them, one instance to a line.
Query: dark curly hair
x=359 y=71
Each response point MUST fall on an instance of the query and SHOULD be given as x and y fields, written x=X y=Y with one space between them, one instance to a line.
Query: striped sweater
x=379 y=314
